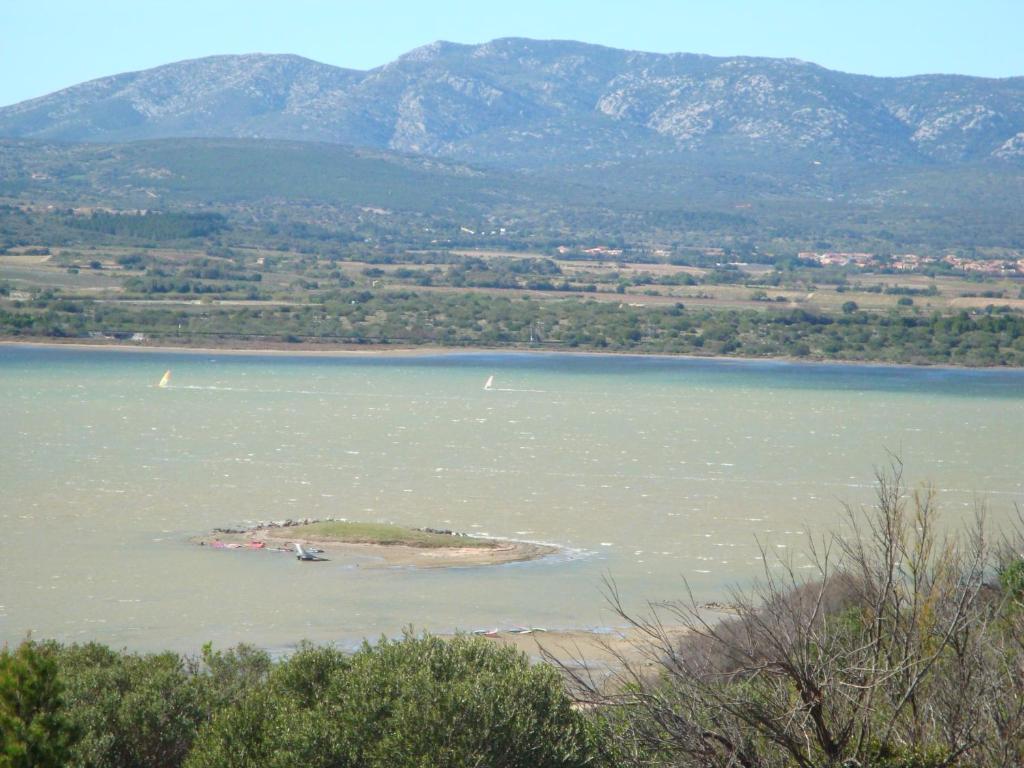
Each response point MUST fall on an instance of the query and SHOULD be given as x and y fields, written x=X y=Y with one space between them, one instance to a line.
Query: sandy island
x=405 y=548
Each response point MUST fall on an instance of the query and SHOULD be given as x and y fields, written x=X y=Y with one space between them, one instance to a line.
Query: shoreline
x=412 y=352
x=600 y=650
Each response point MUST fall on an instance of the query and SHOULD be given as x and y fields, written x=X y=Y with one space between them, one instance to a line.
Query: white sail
x=489 y=384
x=165 y=381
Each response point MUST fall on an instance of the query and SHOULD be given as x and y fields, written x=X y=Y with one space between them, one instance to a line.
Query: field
x=99 y=274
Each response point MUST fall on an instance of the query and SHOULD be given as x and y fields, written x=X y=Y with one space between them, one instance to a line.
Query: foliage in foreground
x=414 y=702
x=34 y=728
x=904 y=650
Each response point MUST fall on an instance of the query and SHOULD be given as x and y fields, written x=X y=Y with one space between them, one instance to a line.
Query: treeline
x=901 y=649
x=989 y=338
x=151 y=226
x=182 y=285
x=62 y=227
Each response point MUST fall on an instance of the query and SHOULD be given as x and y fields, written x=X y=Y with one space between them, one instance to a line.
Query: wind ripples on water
x=644 y=472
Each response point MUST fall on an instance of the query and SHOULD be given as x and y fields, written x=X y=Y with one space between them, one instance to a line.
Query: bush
x=131 y=709
x=1011 y=579
x=415 y=702
x=34 y=729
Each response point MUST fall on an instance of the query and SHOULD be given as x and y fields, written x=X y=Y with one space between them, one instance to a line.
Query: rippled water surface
x=646 y=469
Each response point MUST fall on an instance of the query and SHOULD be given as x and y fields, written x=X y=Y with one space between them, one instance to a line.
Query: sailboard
x=165 y=380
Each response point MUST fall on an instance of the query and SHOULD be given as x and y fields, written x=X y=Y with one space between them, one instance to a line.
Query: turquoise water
x=648 y=470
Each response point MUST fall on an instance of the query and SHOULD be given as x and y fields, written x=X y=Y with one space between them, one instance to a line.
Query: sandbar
x=465 y=551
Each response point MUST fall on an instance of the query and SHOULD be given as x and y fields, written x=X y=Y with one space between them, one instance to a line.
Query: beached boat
x=305 y=555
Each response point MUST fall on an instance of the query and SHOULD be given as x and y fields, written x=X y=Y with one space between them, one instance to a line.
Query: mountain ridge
x=524 y=103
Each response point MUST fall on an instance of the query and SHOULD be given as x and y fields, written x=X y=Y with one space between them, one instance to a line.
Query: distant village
x=909 y=262
x=902 y=262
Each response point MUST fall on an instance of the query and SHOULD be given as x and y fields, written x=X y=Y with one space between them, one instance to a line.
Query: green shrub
x=34 y=729
x=1011 y=579
x=414 y=702
x=131 y=709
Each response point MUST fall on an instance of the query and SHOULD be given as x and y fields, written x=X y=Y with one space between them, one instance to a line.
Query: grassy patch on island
x=381 y=533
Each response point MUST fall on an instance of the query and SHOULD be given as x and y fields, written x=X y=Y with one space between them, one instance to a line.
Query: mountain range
x=528 y=104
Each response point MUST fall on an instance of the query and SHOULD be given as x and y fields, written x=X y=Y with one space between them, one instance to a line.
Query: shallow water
x=649 y=470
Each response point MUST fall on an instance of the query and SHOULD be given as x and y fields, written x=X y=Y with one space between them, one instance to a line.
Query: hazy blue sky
x=49 y=45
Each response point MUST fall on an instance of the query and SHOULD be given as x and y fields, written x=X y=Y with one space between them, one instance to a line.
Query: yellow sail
x=166 y=380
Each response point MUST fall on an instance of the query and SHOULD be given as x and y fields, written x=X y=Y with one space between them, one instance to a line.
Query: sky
x=45 y=46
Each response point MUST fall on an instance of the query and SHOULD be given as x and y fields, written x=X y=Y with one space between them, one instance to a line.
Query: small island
x=371 y=545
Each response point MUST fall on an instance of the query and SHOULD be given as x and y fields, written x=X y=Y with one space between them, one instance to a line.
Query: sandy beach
x=279 y=540
x=602 y=651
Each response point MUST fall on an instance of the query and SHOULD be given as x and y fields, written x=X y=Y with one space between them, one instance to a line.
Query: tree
x=34 y=729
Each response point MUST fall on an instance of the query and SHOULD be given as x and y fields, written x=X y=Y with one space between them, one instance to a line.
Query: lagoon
x=645 y=469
